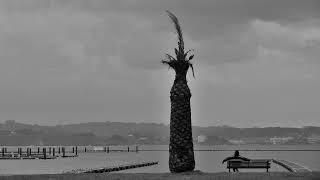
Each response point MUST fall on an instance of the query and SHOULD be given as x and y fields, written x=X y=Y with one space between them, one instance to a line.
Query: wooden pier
x=53 y=152
x=28 y=154
x=291 y=166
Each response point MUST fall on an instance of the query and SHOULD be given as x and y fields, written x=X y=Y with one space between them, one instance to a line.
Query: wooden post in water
x=53 y=152
x=73 y=150
x=108 y=150
x=104 y=149
x=128 y=149
x=63 y=152
x=38 y=150
x=49 y=150
x=85 y=149
x=59 y=150
x=44 y=151
x=2 y=151
x=76 y=150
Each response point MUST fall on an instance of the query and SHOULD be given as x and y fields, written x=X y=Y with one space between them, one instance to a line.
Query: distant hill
x=14 y=133
x=124 y=129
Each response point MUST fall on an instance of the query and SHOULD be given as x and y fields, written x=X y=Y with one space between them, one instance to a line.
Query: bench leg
x=229 y=169
x=267 y=169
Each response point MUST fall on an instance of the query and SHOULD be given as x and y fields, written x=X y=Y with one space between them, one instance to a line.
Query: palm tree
x=181 y=155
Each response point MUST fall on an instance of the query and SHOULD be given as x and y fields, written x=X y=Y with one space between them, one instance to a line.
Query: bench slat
x=256 y=163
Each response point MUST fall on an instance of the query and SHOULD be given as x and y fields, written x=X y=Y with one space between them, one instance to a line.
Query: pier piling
x=63 y=152
x=44 y=153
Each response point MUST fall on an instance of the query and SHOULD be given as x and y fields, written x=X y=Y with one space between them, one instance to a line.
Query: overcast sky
x=257 y=62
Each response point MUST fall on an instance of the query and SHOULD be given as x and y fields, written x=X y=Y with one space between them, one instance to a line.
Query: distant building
x=143 y=139
x=201 y=138
x=234 y=141
x=314 y=139
x=280 y=140
x=97 y=148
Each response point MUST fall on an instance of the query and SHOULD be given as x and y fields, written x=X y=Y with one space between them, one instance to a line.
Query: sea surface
x=207 y=161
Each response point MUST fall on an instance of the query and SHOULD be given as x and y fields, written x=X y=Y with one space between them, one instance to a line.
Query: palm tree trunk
x=181 y=155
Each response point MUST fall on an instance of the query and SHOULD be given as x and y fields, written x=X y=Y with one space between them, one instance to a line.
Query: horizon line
x=52 y=125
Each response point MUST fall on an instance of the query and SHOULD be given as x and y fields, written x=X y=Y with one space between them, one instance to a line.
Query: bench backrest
x=255 y=163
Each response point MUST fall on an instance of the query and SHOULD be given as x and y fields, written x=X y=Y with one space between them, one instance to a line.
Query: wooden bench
x=252 y=164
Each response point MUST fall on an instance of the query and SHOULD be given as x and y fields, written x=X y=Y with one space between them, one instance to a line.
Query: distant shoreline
x=243 y=150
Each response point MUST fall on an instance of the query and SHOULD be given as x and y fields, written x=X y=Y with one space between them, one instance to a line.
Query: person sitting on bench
x=235 y=156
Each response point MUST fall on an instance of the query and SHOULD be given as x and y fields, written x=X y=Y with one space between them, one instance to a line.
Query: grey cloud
x=98 y=60
x=138 y=30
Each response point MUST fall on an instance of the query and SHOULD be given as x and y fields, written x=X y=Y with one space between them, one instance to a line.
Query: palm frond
x=170 y=63
x=191 y=65
x=179 y=62
x=191 y=57
x=189 y=51
x=177 y=26
x=171 y=58
x=186 y=54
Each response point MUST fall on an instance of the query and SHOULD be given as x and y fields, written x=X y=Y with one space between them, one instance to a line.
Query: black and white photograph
x=159 y=89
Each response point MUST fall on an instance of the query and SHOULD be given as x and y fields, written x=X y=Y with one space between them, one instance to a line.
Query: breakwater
x=120 y=167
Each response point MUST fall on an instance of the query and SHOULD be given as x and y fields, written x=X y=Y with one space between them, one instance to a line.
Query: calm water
x=208 y=161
